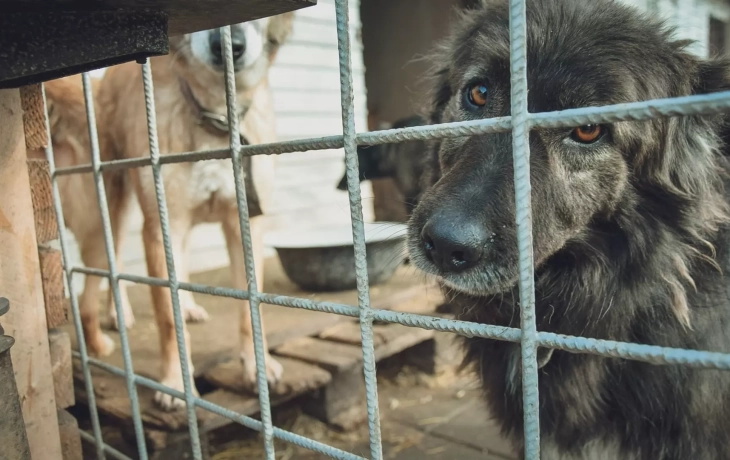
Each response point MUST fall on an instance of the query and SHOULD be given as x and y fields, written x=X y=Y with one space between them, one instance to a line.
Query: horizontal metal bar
x=192 y=287
x=606 y=348
x=106 y=447
x=636 y=352
x=705 y=104
x=244 y=420
x=274 y=148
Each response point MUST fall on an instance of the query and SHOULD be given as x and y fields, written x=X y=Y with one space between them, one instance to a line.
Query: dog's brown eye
x=478 y=94
x=587 y=134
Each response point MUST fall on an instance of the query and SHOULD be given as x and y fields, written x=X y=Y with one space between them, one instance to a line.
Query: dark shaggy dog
x=402 y=161
x=630 y=225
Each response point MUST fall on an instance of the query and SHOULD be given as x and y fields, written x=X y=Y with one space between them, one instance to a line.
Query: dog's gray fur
x=630 y=232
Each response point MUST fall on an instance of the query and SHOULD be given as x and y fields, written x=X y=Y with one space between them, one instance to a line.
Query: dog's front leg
x=113 y=321
x=192 y=312
x=170 y=369
x=93 y=255
x=232 y=232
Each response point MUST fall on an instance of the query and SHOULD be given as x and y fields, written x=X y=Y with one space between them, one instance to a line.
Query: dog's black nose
x=238 y=45
x=452 y=243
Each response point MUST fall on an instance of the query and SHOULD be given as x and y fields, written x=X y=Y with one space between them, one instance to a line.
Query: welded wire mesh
x=520 y=123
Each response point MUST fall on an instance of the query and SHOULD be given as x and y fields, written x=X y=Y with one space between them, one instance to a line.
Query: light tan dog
x=190 y=101
x=70 y=139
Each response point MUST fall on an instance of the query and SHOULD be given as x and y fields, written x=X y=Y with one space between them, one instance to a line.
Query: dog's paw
x=113 y=321
x=274 y=371
x=101 y=347
x=168 y=402
x=194 y=313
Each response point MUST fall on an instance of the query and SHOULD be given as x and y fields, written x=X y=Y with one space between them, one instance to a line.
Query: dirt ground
x=422 y=417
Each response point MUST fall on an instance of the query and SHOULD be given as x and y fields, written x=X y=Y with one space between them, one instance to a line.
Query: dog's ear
x=713 y=76
x=280 y=27
x=441 y=94
x=343 y=183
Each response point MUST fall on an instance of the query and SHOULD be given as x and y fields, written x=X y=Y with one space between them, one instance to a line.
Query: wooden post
x=20 y=282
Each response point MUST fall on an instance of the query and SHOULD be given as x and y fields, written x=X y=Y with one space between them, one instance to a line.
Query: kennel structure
x=520 y=123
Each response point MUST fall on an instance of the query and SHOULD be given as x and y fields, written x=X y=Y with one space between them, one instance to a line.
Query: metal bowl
x=323 y=259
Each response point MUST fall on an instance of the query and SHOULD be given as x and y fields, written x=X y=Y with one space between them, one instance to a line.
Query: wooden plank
x=70 y=436
x=341 y=403
x=34 y=117
x=397 y=338
x=62 y=368
x=298 y=377
x=112 y=399
x=185 y=16
x=333 y=356
x=20 y=282
x=348 y=333
x=387 y=339
x=41 y=190
x=51 y=264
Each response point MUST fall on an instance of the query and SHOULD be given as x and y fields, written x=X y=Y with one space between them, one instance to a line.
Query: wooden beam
x=54 y=300
x=184 y=16
x=41 y=190
x=70 y=436
x=20 y=282
x=34 y=117
x=62 y=366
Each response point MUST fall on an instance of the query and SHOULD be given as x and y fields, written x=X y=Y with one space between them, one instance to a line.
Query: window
x=718 y=37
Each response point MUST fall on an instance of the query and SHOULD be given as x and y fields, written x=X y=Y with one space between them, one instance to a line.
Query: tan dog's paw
x=168 y=402
x=103 y=346
x=194 y=313
x=274 y=370
x=113 y=322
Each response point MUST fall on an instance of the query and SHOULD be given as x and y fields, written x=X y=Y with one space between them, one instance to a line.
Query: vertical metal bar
x=358 y=228
x=111 y=257
x=149 y=98
x=523 y=203
x=75 y=313
x=245 y=224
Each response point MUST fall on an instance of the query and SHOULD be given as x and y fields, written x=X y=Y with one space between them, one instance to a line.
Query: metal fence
x=520 y=123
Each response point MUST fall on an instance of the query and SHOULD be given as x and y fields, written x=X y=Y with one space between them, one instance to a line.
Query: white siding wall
x=690 y=17
x=306 y=88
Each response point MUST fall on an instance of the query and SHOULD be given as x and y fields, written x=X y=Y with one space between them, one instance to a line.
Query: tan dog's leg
x=192 y=312
x=170 y=370
x=126 y=305
x=119 y=198
x=93 y=255
x=232 y=232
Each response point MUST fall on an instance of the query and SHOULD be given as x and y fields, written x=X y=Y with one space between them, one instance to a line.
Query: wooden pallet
x=320 y=352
